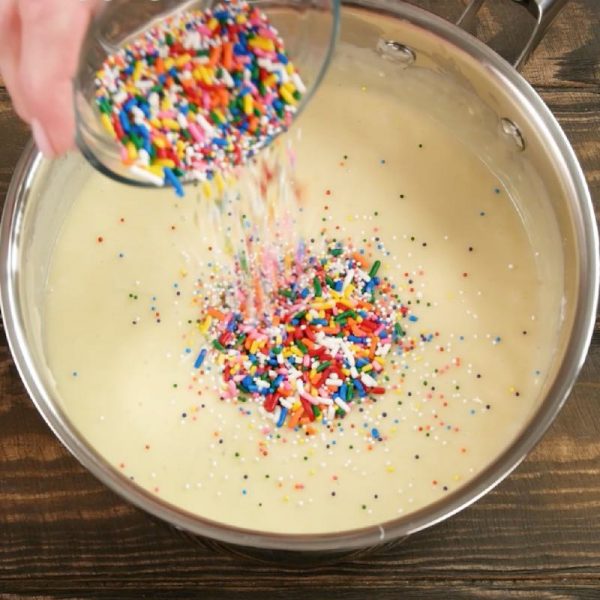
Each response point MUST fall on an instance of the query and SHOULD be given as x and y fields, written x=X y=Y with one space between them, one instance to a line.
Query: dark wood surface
x=64 y=535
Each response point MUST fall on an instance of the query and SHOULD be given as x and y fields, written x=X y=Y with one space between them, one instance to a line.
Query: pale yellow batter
x=121 y=335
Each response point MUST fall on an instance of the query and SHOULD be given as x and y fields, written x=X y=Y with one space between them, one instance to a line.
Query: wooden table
x=64 y=535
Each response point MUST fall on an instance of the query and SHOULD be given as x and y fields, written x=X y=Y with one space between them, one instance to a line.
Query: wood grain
x=64 y=535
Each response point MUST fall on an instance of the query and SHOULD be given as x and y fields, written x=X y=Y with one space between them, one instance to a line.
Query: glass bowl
x=308 y=27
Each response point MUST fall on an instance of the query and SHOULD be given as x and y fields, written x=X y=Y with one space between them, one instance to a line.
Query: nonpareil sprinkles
x=322 y=351
x=198 y=94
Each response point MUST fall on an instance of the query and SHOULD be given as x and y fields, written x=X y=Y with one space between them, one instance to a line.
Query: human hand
x=39 y=53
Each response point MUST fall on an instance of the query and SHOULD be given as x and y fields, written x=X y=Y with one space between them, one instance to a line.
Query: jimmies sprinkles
x=198 y=94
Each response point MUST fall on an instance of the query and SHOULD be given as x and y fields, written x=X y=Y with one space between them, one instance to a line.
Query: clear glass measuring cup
x=308 y=27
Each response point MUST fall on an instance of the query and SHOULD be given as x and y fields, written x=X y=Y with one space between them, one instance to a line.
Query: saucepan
x=409 y=38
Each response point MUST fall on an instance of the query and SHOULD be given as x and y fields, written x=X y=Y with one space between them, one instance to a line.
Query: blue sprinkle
x=282 y=416
x=360 y=387
x=188 y=350
x=173 y=180
x=319 y=322
x=125 y=123
x=375 y=433
x=357 y=340
x=413 y=318
x=200 y=358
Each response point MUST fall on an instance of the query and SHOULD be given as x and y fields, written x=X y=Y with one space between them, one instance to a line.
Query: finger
x=10 y=34
x=53 y=31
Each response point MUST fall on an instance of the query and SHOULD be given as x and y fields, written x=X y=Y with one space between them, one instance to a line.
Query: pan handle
x=544 y=12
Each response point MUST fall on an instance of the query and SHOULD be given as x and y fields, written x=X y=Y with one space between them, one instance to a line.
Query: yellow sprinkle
x=165 y=104
x=155 y=170
x=393 y=429
x=311 y=471
x=158 y=142
x=206 y=190
x=131 y=151
x=380 y=360
x=289 y=86
x=203 y=327
x=205 y=74
x=164 y=162
x=390 y=469
x=241 y=19
x=290 y=68
x=252 y=370
x=137 y=72
x=248 y=104
x=169 y=64
x=367 y=368
x=108 y=124
x=212 y=24
x=287 y=97
x=262 y=44
x=183 y=272
x=183 y=60
x=220 y=183
x=349 y=289
x=171 y=124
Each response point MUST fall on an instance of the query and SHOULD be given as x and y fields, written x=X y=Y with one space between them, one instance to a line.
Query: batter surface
x=122 y=335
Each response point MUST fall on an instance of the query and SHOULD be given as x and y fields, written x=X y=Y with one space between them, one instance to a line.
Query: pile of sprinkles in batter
x=198 y=94
x=321 y=348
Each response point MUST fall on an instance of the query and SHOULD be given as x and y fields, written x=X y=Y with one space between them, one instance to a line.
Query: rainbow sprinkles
x=321 y=350
x=198 y=94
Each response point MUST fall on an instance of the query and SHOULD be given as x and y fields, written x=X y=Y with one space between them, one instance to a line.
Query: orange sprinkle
x=217 y=314
x=293 y=420
x=228 y=56
x=214 y=56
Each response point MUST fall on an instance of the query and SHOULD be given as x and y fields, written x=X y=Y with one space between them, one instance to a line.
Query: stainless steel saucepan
x=409 y=38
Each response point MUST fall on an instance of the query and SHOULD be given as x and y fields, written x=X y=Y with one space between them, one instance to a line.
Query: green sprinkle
x=286 y=293
x=300 y=315
x=302 y=346
x=374 y=268
x=323 y=366
x=336 y=251
x=330 y=282
x=217 y=344
x=318 y=288
x=398 y=330
x=345 y=315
